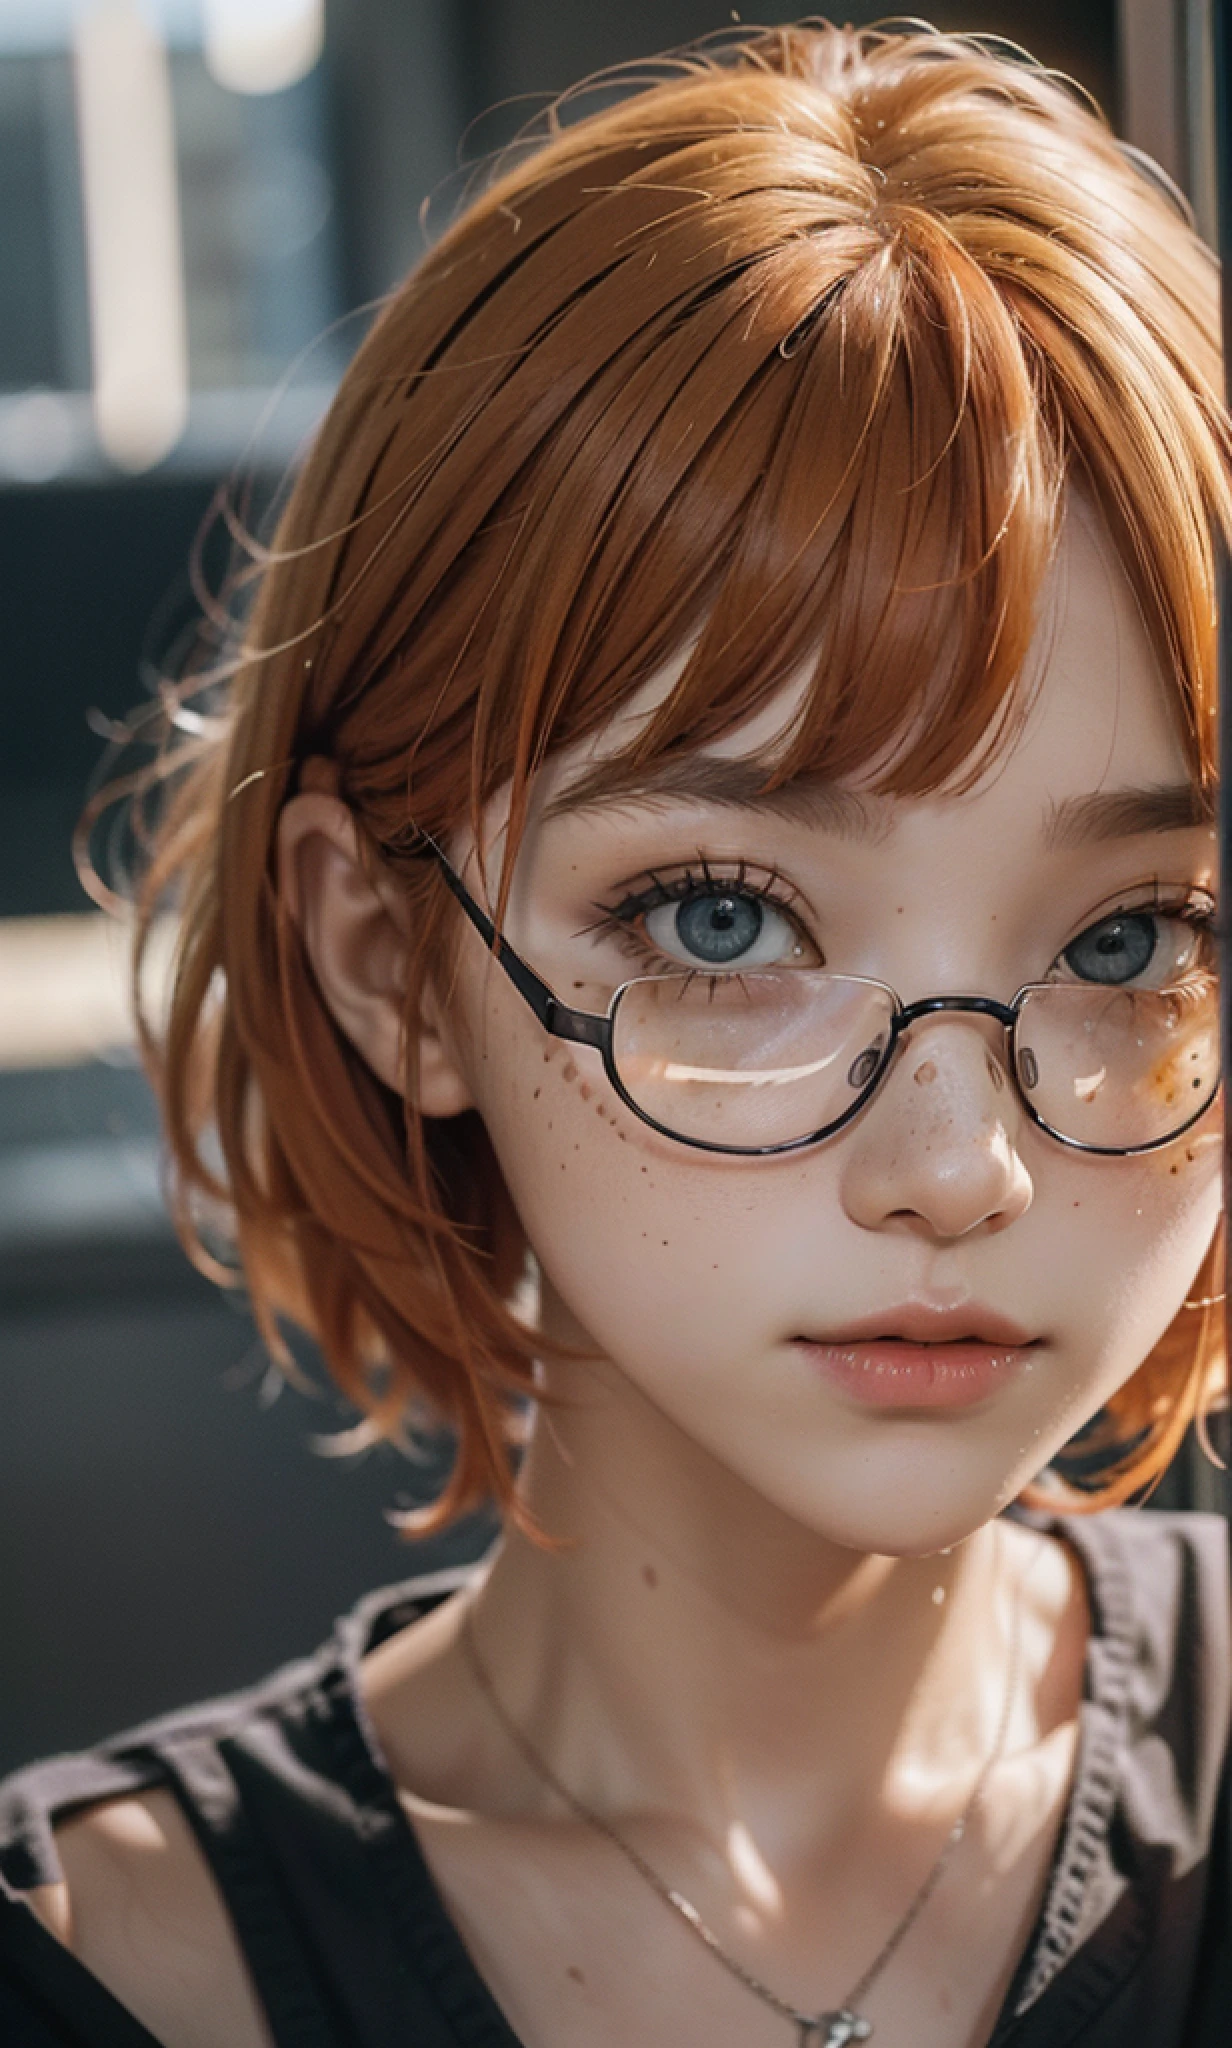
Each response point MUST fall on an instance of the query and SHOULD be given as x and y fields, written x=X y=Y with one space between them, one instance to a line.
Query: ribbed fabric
x=348 y=1941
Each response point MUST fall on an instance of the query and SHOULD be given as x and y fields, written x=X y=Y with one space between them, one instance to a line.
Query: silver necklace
x=814 y=2030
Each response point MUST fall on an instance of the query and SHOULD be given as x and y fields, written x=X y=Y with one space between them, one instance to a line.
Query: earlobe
x=354 y=932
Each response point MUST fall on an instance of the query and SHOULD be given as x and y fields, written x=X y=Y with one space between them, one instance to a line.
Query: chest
x=575 y=1944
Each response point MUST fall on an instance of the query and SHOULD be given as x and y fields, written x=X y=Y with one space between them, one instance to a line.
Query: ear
x=354 y=929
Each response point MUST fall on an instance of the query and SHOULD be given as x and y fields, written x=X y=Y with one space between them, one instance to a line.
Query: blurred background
x=195 y=196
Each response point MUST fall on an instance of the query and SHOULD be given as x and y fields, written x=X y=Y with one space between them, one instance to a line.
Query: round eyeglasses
x=772 y=1059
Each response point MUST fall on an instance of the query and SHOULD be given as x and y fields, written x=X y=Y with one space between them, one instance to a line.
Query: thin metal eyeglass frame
x=588 y=1027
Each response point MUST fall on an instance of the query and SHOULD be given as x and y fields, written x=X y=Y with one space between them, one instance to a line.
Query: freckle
x=585 y=1091
x=535 y=1097
x=574 y=1972
x=650 y=1575
x=579 y=984
x=665 y=1244
x=570 y=1071
x=1077 y=1205
x=924 y=1073
x=549 y=1056
x=1174 y=1169
x=645 y=1169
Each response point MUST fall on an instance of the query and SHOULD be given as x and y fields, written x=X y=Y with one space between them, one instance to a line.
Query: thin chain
x=684 y=1907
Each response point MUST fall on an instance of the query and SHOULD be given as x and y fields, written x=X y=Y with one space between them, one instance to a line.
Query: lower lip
x=893 y=1374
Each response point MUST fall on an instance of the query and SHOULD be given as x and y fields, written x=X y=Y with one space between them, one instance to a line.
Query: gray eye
x=720 y=928
x=1116 y=951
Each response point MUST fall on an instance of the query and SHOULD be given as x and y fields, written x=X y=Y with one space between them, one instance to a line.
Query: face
x=887 y=1335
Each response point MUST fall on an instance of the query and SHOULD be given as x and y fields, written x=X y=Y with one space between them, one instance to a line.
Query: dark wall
x=164 y=1534
x=90 y=576
x=534 y=47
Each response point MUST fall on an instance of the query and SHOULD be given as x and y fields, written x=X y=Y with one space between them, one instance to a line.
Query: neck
x=690 y=1648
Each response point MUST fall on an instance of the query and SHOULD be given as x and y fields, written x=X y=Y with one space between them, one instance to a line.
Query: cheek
x=1145 y=1226
x=653 y=1250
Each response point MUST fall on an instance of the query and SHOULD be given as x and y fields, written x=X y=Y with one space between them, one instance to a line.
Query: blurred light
x=31 y=26
x=67 y=988
x=258 y=46
x=132 y=217
x=38 y=437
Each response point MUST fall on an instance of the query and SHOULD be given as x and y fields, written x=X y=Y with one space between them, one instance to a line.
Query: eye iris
x=1115 y=951
x=719 y=928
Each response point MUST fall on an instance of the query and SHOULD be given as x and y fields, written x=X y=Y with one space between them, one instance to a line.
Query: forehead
x=1097 y=714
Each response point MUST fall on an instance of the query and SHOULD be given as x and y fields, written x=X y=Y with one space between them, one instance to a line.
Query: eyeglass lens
x=1116 y=1068
x=747 y=1061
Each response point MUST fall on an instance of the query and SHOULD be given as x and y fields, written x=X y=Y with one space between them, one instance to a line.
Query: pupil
x=1113 y=952
x=718 y=929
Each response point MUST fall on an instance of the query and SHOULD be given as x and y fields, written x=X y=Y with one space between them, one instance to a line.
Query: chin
x=909 y=1499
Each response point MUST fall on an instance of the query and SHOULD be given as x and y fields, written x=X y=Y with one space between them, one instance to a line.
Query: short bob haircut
x=786 y=353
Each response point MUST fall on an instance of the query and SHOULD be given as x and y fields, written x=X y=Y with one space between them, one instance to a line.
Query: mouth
x=923 y=1358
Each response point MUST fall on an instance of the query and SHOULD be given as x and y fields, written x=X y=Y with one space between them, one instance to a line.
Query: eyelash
x=1193 y=907
x=617 y=920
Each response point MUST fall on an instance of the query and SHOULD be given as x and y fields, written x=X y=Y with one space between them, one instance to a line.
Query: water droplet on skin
x=938 y=1596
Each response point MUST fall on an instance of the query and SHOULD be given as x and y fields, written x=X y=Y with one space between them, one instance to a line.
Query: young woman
x=697 y=910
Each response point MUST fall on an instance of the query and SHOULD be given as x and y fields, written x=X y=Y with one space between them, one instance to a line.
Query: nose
x=936 y=1152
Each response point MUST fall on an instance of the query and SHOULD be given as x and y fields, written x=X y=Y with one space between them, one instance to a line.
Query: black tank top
x=348 y=1941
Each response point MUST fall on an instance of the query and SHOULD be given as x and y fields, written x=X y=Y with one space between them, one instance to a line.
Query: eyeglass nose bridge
x=907 y=1014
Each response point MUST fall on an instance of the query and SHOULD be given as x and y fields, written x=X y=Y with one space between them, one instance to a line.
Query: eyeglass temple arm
x=579 y=1027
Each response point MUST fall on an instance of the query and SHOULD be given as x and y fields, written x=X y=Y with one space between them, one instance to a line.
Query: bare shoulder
x=139 y=1907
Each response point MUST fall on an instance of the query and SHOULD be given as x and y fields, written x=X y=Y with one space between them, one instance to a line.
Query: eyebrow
x=1127 y=813
x=1075 y=822
x=726 y=784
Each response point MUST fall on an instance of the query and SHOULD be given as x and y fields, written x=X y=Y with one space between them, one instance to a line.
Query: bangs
x=765 y=400
x=792 y=381
x=850 y=480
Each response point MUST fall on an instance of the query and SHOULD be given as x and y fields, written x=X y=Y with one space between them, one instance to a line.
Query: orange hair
x=787 y=355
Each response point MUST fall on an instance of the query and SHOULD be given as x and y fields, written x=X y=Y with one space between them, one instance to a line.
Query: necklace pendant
x=835 y=2029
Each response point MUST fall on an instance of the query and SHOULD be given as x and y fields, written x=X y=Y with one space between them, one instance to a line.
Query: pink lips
x=916 y=1357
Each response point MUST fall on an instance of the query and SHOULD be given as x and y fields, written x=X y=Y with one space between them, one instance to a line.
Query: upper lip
x=916 y=1323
